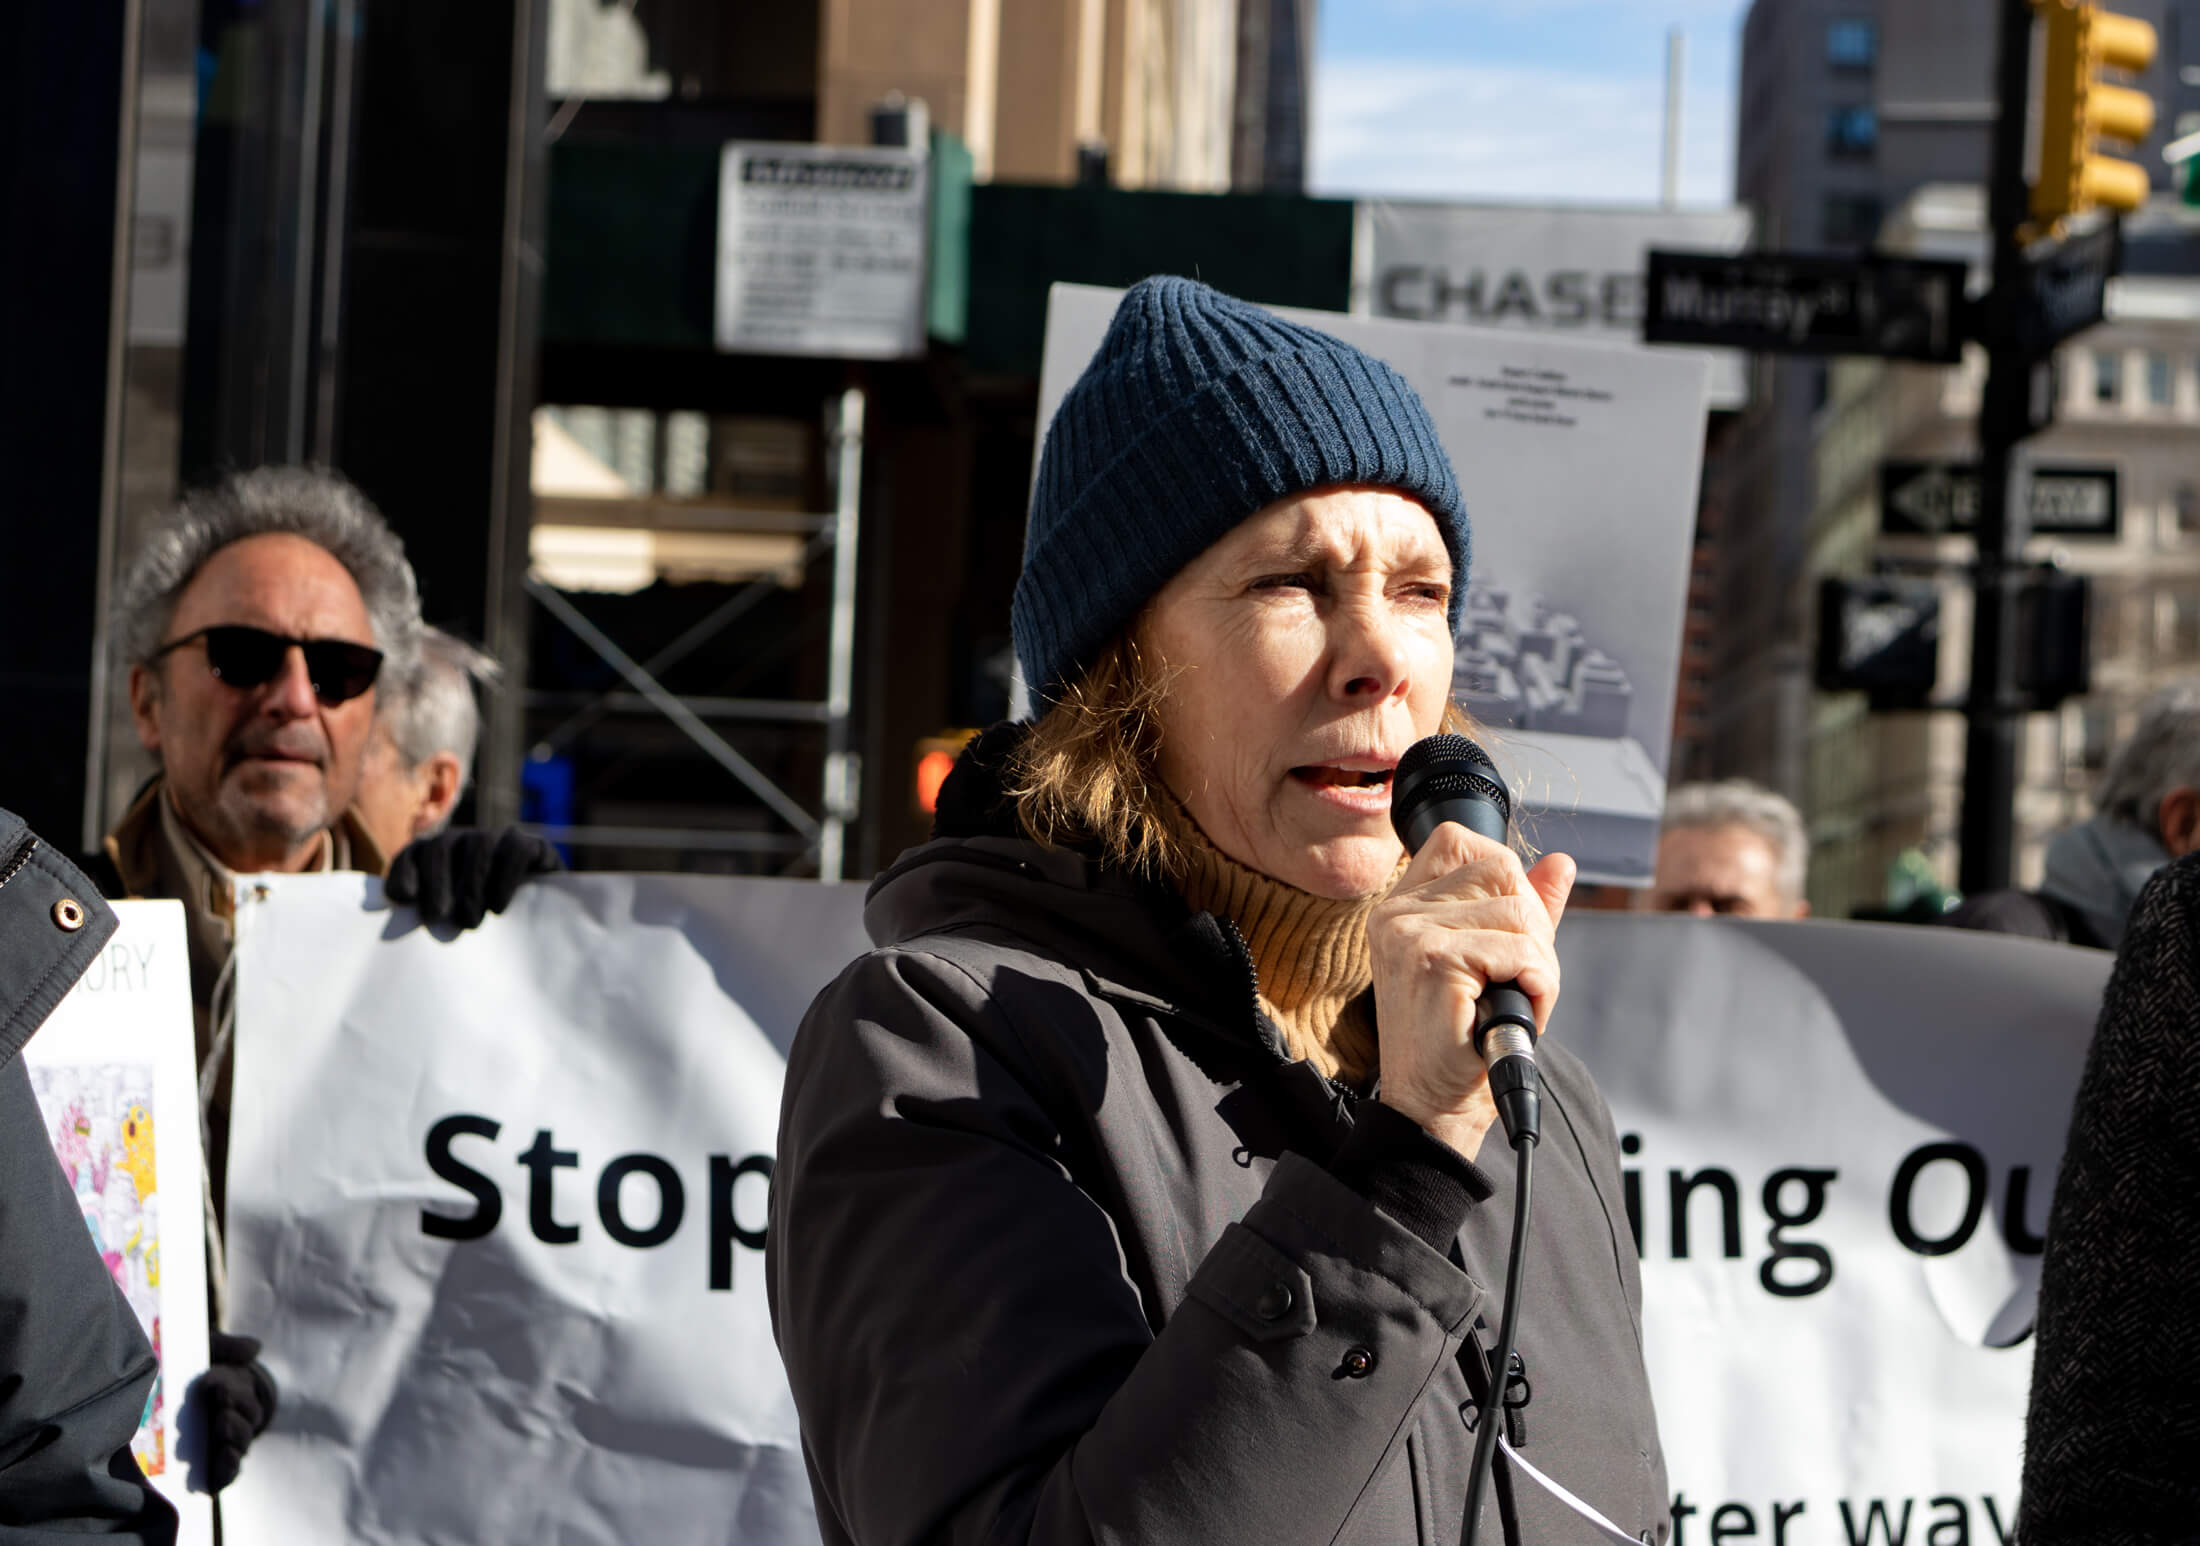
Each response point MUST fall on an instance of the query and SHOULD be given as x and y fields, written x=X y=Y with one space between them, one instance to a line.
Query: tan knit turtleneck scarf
x=1310 y=952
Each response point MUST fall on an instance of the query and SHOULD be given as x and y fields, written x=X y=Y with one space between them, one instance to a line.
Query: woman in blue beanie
x=1134 y=1188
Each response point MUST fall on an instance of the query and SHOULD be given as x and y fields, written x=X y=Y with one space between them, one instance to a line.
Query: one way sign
x=1930 y=499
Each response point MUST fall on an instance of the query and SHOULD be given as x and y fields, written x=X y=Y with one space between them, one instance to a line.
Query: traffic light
x=936 y=756
x=2078 y=109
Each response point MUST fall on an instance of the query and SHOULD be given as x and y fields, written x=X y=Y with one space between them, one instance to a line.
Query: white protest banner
x=1566 y=269
x=1841 y=1142
x=1578 y=465
x=115 y=1070
x=821 y=250
x=496 y=1207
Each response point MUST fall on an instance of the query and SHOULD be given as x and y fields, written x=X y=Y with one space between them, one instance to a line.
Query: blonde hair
x=1087 y=774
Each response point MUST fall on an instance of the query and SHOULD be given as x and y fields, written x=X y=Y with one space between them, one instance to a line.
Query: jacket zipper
x=13 y=864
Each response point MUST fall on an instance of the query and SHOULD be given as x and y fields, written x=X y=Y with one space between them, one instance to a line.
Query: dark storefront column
x=435 y=383
x=62 y=68
x=365 y=281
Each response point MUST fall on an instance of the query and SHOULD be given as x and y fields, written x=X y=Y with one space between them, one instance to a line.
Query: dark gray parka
x=1055 y=1256
x=75 y=1368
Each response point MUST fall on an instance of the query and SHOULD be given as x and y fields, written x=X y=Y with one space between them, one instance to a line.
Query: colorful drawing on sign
x=101 y=1118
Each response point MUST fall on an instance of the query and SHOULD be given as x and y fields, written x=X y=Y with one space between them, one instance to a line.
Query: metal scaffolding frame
x=823 y=836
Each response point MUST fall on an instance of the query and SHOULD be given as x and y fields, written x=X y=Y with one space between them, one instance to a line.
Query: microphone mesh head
x=1444 y=767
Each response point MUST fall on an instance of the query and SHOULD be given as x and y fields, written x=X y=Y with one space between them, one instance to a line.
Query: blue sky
x=1541 y=100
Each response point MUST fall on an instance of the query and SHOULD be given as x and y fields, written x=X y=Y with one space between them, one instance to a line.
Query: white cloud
x=1411 y=129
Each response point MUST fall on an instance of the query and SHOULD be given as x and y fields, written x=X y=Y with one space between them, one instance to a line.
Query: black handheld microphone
x=1449 y=778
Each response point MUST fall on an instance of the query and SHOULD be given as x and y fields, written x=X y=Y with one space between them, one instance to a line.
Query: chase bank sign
x=1508 y=265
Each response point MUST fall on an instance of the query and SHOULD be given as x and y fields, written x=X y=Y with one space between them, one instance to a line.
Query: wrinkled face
x=1728 y=870
x=1305 y=652
x=258 y=772
x=390 y=793
x=397 y=803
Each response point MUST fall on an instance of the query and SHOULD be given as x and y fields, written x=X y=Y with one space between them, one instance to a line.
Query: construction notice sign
x=821 y=251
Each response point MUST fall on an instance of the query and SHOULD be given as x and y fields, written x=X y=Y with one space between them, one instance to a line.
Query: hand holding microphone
x=1466 y=964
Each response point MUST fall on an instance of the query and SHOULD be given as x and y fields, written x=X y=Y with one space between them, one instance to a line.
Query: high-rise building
x=1198 y=96
x=1275 y=70
x=1847 y=108
x=1869 y=123
x=1807 y=166
x=1880 y=785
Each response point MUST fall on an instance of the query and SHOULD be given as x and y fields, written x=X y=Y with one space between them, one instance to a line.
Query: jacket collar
x=135 y=844
x=1138 y=943
x=41 y=955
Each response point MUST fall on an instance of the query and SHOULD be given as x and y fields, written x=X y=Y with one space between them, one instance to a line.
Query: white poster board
x=115 y=1070
x=496 y=1208
x=1579 y=468
x=1570 y=270
x=821 y=251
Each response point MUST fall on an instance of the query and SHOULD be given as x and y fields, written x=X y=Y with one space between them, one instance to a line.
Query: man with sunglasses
x=257 y=619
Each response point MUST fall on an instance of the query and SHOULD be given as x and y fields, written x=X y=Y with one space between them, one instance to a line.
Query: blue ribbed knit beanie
x=1198 y=411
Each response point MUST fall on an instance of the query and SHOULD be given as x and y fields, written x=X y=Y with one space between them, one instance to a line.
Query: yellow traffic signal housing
x=2078 y=109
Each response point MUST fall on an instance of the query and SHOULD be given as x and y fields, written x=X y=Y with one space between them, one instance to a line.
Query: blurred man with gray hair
x=421 y=758
x=2147 y=812
x=1730 y=849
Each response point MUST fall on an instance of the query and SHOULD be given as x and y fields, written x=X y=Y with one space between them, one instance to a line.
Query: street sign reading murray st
x=1784 y=303
x=1930 y=499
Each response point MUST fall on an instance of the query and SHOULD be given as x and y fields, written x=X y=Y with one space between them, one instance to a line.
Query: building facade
x=1197 y=96
x=1806 y=167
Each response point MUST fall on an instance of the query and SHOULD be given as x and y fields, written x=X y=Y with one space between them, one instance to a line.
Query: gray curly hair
x=307 y=502
x=1736 y=802
x=2162 y=755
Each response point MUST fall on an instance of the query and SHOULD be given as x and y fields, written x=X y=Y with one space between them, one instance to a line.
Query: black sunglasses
x=244 y=656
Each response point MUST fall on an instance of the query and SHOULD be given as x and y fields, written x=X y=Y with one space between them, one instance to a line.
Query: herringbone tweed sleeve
x=2112 y=1440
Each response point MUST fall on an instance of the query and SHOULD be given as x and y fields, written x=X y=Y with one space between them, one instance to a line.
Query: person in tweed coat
x=2112 y=1440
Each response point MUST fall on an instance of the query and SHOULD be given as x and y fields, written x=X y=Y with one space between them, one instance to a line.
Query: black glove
x=461 y=875
x=236 y=1401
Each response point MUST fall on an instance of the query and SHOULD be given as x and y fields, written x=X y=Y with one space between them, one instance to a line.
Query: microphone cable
x=1492 y=1420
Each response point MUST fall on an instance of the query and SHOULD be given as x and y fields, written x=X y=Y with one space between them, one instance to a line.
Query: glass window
x=2183 y=644
x=1852 y=44
x=2187 y=499
x=2108 y=377
x=2097 y=735
x=1852 y=133
x=2158 y=380
x=2110 y=619
x=1850 y=219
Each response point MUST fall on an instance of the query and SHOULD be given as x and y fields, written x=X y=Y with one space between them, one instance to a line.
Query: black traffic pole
x=1994 y=712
